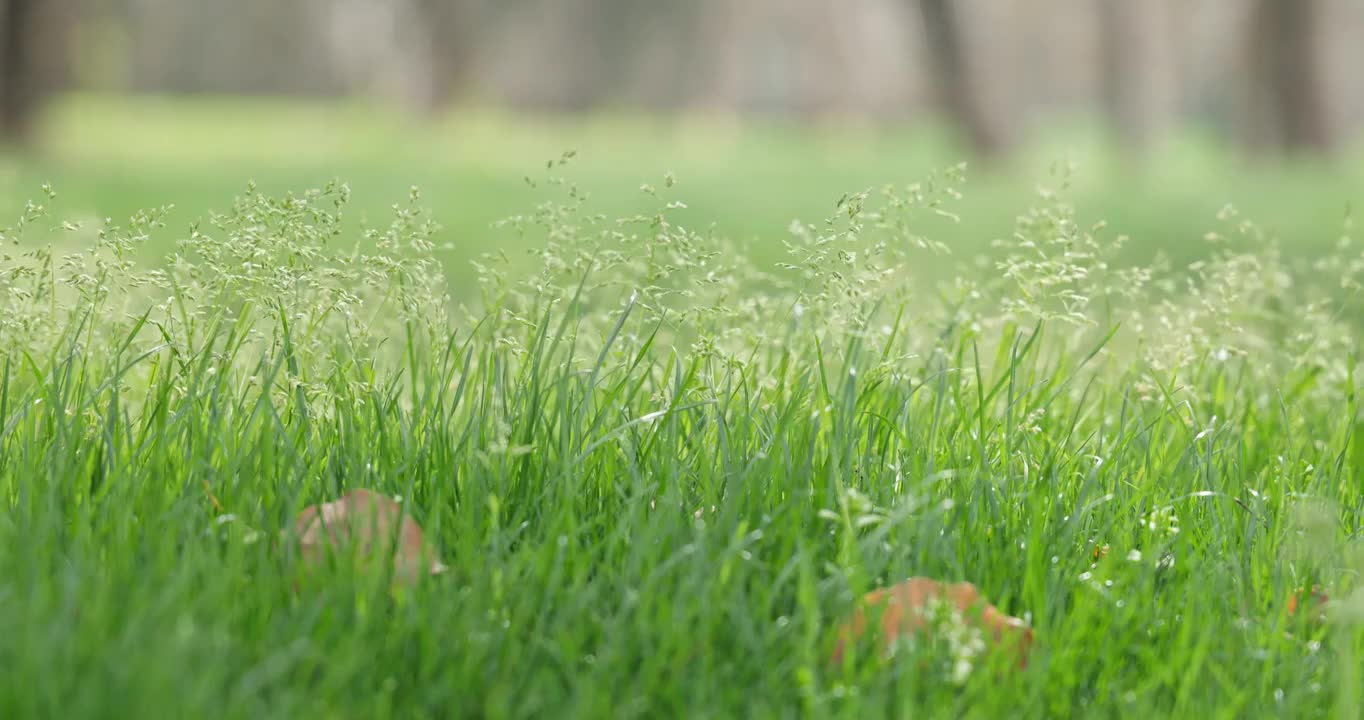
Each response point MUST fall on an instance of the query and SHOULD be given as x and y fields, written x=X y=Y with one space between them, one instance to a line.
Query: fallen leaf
x=906 y=607
x=1315 y=593
x=364 y=522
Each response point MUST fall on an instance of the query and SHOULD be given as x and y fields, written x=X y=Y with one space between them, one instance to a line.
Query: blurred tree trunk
x=725 y=26
x=15 y=73
x=637 y=53
x=1137 y=70
x=242 y=46
x=594 y=33
x=451 y=29
x=825 y=65
x=658 y=66
x=1287 y=102
x=959 y=88
x=32 y=61
x=576 y=65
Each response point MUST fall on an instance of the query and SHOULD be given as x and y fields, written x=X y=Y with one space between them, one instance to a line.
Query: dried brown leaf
x=906 y=607
x=1310 y=596
x=366 y=523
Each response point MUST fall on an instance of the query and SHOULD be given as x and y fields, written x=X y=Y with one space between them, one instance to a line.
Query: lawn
x=665 y=453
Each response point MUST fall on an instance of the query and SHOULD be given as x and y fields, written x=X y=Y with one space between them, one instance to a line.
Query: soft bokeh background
x=765 y=110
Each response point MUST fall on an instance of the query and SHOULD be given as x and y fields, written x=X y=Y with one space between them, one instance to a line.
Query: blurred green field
x=110 y=157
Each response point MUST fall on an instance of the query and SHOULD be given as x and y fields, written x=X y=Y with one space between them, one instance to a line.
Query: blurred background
x=766 y=110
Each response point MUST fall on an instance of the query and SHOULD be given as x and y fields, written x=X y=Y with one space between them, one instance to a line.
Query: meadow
x=668 y=399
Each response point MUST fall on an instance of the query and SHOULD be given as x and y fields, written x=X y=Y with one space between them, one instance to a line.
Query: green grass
x=662 y=470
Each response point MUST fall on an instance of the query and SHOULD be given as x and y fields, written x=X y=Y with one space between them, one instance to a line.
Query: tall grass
x=662 y=472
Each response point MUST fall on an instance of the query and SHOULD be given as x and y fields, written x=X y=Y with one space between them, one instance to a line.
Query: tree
x=32 y=59
x=1288 y=106
x=1138 y=90
x=451 y=31
x=959 y=86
